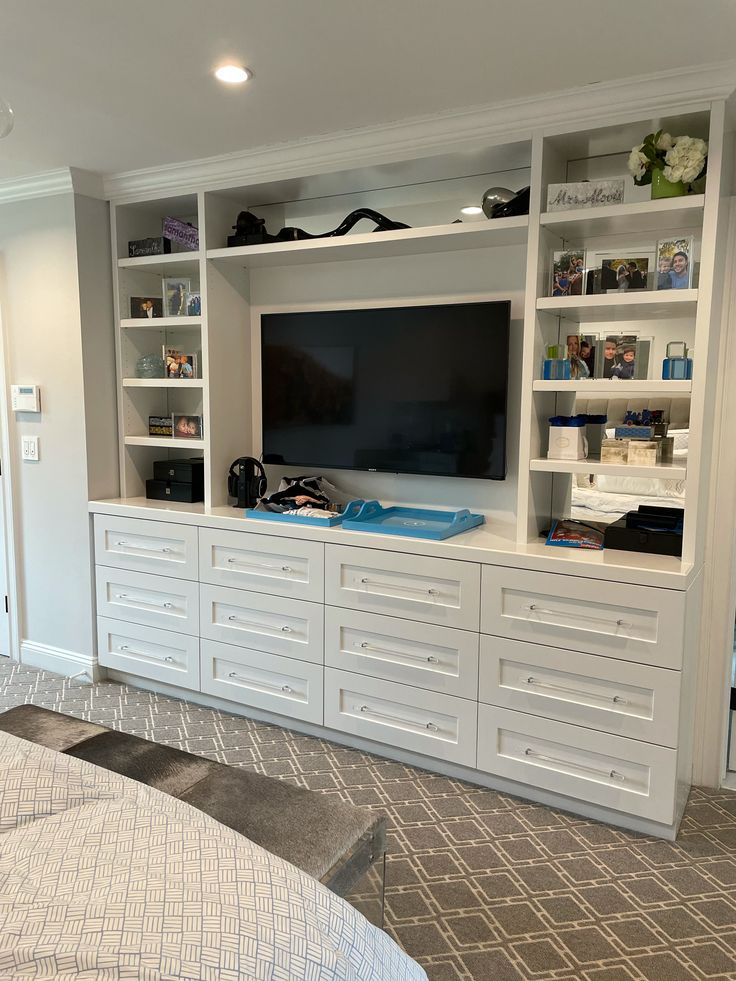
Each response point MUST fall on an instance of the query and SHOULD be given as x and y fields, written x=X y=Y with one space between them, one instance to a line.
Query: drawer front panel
x=282 y=567
x=633 y=623
x=160 y=547
x=265 y=681
x=419 y=654
x=438 y=591
x=150 y=653
x=623 y=774
x=439 y=726
x=632 y=700
x=172 y=604
x=263 y=623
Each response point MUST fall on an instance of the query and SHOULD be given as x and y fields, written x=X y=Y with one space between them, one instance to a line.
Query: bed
x=104 y=877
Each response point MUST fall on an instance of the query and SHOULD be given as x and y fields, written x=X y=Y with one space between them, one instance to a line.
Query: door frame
x=8 y=455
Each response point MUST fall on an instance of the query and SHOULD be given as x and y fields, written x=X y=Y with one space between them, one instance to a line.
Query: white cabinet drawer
x=278 y=566
x=633 y=700
x=623 y=774
x=421 y=654
x=150 y=653
x=264 y=681
x=264 y=623
x=439 y=591
x=160 y=547
x=440 y=726
x=172 y=604
x=633 y=623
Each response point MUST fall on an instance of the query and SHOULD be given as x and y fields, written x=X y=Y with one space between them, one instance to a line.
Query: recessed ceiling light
x=472 y=209
x=233 y=74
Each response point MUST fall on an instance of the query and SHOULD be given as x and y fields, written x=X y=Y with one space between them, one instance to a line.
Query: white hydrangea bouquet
x=679 y=158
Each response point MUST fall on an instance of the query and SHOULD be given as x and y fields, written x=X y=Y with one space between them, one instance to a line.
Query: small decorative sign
x=584 y=194
x=182 y=233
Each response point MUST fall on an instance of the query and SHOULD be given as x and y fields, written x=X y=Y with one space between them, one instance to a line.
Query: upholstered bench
x=332 y=841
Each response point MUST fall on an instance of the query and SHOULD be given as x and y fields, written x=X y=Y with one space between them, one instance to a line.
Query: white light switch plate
x=29 y=448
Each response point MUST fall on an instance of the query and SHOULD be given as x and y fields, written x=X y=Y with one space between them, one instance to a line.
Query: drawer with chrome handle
x=158 y=547
x=160 y=655
x=436 y=725
x=172 y=604
x=262 y=563
x=264 y=681
x=633 y=623
x=626 y=699
x=625 y=775
x=441 y=591
x=290 y=627
x=421 y=654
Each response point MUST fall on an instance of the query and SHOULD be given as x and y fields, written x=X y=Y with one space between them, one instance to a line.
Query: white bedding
x=592 y=504
x=103 y=878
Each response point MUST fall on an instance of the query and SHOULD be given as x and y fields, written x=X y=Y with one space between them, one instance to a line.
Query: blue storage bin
x=411 y=522
x=304 y=519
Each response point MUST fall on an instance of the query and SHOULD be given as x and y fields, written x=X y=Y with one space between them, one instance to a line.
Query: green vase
x=662 y=188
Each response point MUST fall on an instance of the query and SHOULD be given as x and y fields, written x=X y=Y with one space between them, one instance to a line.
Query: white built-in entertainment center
x=561 y=675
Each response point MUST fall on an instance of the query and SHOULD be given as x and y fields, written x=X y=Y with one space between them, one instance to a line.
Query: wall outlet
x=29 y=448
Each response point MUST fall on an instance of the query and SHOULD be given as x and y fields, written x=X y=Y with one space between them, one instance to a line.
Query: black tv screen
x=418 y=389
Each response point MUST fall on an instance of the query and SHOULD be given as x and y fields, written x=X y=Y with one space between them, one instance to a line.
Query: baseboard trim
x=59 y=661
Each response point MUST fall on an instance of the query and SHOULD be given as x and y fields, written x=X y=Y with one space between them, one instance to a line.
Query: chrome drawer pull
x=611 y=774
x=261 y=684
x=259 y=565
x=137 y=599
x=617 y=699
x=431 y=659
x=395 y=585
x=533 y=608
x=131 y=650
x=262 y=626
x=144 y=548
x=431 y=726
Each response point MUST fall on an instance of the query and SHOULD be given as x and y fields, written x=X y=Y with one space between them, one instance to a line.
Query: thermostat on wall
x=25 y=398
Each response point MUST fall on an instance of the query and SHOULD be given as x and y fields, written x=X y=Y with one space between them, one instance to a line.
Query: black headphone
x=246 y=481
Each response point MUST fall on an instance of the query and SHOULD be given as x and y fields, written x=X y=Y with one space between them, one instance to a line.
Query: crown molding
x=457 y=130
x=66 y=180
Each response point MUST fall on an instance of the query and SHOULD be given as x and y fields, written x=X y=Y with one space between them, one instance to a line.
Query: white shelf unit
x=177 y=383
x=605 y=389
x=593 y=465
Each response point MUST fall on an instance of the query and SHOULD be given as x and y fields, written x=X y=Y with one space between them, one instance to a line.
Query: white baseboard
x=58 y=660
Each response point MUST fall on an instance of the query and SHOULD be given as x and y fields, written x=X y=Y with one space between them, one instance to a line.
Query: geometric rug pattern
x=479 y=885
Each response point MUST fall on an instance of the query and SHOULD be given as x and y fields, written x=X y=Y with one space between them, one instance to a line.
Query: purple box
x=183 y=234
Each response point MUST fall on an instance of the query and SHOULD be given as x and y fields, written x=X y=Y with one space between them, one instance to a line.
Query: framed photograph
x=585 y=194
x=194 y=304
x=187 y=427
x=176 y=292
x=620 y=271
x=675 y=263
x=178 y=364
x=623 y=357
x=146 y=307
x=568 y=272
x=581 y=349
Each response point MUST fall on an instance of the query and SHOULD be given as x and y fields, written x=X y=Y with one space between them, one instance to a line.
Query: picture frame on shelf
x=175 y=293
x=581 y=350
x=675 y=263
x=620 y=271
x=179 y=364
x=186 y=426
x=146 y=307
x=568 y=272
x=623 y=357
x=194 y=304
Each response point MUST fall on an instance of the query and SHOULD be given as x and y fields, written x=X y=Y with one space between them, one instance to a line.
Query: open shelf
x=175 y=264
x=162 y=383
x=642 y=216
x=159 y=323
x=605 y=389
x=380 y=245
x=652 y=305
x=670 y=471
x=168 y=441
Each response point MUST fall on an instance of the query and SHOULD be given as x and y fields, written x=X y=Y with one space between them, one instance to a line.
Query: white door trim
x=7 y=513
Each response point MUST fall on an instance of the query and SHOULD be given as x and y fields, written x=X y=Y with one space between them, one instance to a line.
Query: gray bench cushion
x=311 y=830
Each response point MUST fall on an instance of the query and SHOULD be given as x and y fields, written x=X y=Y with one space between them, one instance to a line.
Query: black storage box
x=149 y=246
x=177 y=480
x=650 y=529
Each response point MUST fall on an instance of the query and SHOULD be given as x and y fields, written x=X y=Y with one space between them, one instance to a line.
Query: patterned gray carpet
x=480 y=885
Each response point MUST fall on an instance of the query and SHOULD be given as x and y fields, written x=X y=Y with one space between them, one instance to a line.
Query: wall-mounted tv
x=414 y=389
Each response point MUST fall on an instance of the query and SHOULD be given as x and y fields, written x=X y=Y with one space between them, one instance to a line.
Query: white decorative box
x=615 y=451
x=567 y=443
x=584 y=194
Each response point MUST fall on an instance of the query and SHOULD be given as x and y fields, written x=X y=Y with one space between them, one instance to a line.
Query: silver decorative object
x=150 y=366
x=494 y=196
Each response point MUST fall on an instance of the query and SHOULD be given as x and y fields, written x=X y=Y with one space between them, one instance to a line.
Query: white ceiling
x=117 y=85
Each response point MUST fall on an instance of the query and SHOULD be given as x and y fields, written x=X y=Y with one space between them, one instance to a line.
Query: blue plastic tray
x=299 y=519
x=411 y=522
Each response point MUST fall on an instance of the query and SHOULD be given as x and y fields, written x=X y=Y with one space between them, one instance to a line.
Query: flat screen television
x=417 y=390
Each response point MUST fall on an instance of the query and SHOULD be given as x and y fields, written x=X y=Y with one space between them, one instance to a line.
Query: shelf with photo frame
x=593 y=465
x=175 y=264
x=653 y=216
x=602 y=388
x=162 y=382
x=602 y=307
